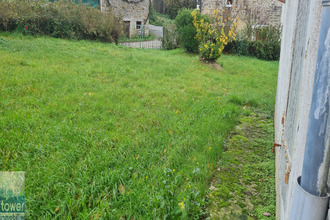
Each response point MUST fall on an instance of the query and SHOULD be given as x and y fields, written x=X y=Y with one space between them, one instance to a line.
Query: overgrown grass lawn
x=104 y=131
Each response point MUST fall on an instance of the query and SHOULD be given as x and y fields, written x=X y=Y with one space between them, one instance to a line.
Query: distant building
x=135 y=14
x=257 y=13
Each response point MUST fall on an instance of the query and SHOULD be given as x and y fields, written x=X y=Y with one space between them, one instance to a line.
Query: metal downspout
x=311 y=196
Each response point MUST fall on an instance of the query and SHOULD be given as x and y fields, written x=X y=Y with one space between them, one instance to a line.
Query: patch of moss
x=244 y=183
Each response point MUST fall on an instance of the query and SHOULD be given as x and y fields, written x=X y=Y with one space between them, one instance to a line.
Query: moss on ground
x=243 y=186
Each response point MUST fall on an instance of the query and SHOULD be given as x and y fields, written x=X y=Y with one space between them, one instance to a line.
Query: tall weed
x=170 y=40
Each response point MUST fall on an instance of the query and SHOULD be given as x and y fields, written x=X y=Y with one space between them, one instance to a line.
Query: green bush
x=268 y=43
x=267 y=50
x=174 y=6
x=266 y=46
x=239 y=47
x=186 y=29
x=62 y=19
x=159 y=19
x=152 y=15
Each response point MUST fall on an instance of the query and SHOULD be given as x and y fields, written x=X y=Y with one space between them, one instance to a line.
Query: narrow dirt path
x=243 y=186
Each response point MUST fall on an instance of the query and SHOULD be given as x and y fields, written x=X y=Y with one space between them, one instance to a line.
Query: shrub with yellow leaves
x=214 y=35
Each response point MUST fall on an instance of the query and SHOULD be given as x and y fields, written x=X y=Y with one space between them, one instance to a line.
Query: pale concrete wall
x=156 y=30
x=301 y=23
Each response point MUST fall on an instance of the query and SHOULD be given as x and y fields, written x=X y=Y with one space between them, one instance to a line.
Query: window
x=229 y=3
x=138 y=25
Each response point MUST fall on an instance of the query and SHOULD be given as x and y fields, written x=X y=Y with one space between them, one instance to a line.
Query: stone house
x=254 y=12
x=135 y=14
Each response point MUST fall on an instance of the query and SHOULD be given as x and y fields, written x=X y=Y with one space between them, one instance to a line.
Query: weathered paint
x=323 y=97
x=301 y=23
x=323 y=92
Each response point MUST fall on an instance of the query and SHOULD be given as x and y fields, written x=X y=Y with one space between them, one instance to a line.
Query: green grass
x=104 y=131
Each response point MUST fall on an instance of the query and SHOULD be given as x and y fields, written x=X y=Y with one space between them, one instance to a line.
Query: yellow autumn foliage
x=214 y=35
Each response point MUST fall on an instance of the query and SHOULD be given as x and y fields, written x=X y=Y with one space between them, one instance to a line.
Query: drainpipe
x=311 y=195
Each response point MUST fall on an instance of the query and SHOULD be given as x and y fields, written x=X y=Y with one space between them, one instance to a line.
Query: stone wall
x=269 y=11
x=273 y=10
x=135 y=14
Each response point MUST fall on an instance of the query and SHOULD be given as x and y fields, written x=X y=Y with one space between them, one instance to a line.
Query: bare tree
x=253 y=14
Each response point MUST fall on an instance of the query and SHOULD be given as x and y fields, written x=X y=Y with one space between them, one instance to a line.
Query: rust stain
x=282 y=122
x=287 y=175
x=275 y=145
